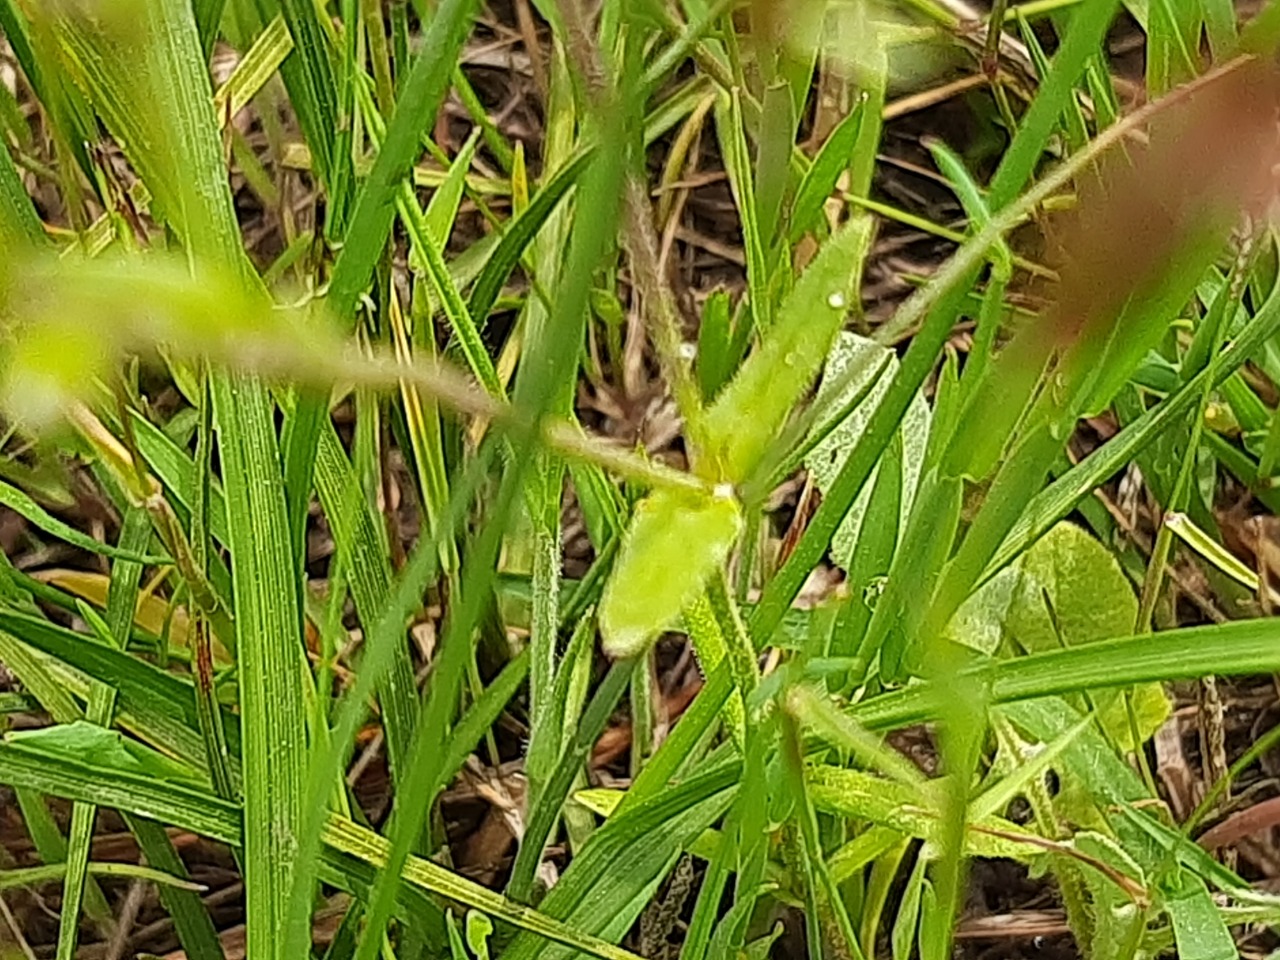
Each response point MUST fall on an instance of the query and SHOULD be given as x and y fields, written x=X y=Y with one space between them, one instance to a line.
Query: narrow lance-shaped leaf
x=18 y=221
x=1243 y=647
x=135 y=532
x=751 y=410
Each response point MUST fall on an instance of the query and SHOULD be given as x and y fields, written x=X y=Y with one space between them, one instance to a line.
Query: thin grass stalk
x=134 y=535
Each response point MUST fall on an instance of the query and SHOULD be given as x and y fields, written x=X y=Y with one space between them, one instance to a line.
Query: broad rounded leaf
x=1066 y=591
x=676 y=541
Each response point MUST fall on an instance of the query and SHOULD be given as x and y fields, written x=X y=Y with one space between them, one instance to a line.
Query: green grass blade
x=175 y=468
x=309 y=77
x=368 y=846
x=76 y=779
x=203 y=621
x=191 y=921
x=730 y=127
x=122 y=598
x=417 y=792
x=251 y=74
x=1055 y=502
x=483 y=714
x=519 y=233
x=549 y=730
x=608 y=882
x=141 y=65
x=546 y=720
x=549 y=362
x=455 y=307
x=35 y=675
x=823 y=896
x=420 y=97
x=148 y=716
x=33 y=876
x=775 y=143
x=385 y=643
x=823 y=173
x=1088 y=28
x=135 y=680
x=425 y=773
x=18 y=221
x=355 y=527
x=269 y=654
x=71 y=119
x=442 y=210
x=25 y=507
x=546 y=805
x=208 y=15
x=550 y=715
x=1230 y=649
x=428 y=246
x=1261 y=35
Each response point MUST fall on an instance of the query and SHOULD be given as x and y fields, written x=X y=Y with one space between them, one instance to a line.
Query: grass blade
x=1088 y=28
x=269 y=654
x=122 y=599
x=25 y=507
x=1231 y=649
x=208 y=816
x=355 y=533
x=18 y=221
x=420 y=97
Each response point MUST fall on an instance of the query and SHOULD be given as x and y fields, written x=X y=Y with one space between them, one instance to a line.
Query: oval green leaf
x=1066 y=591
x=676 y=541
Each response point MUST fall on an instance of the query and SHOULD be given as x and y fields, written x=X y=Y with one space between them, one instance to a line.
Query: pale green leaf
x=911 y=811
x=82 y=741
x=676 y=541
x=751 y=410
x=1198 y=927
x=853 y=363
